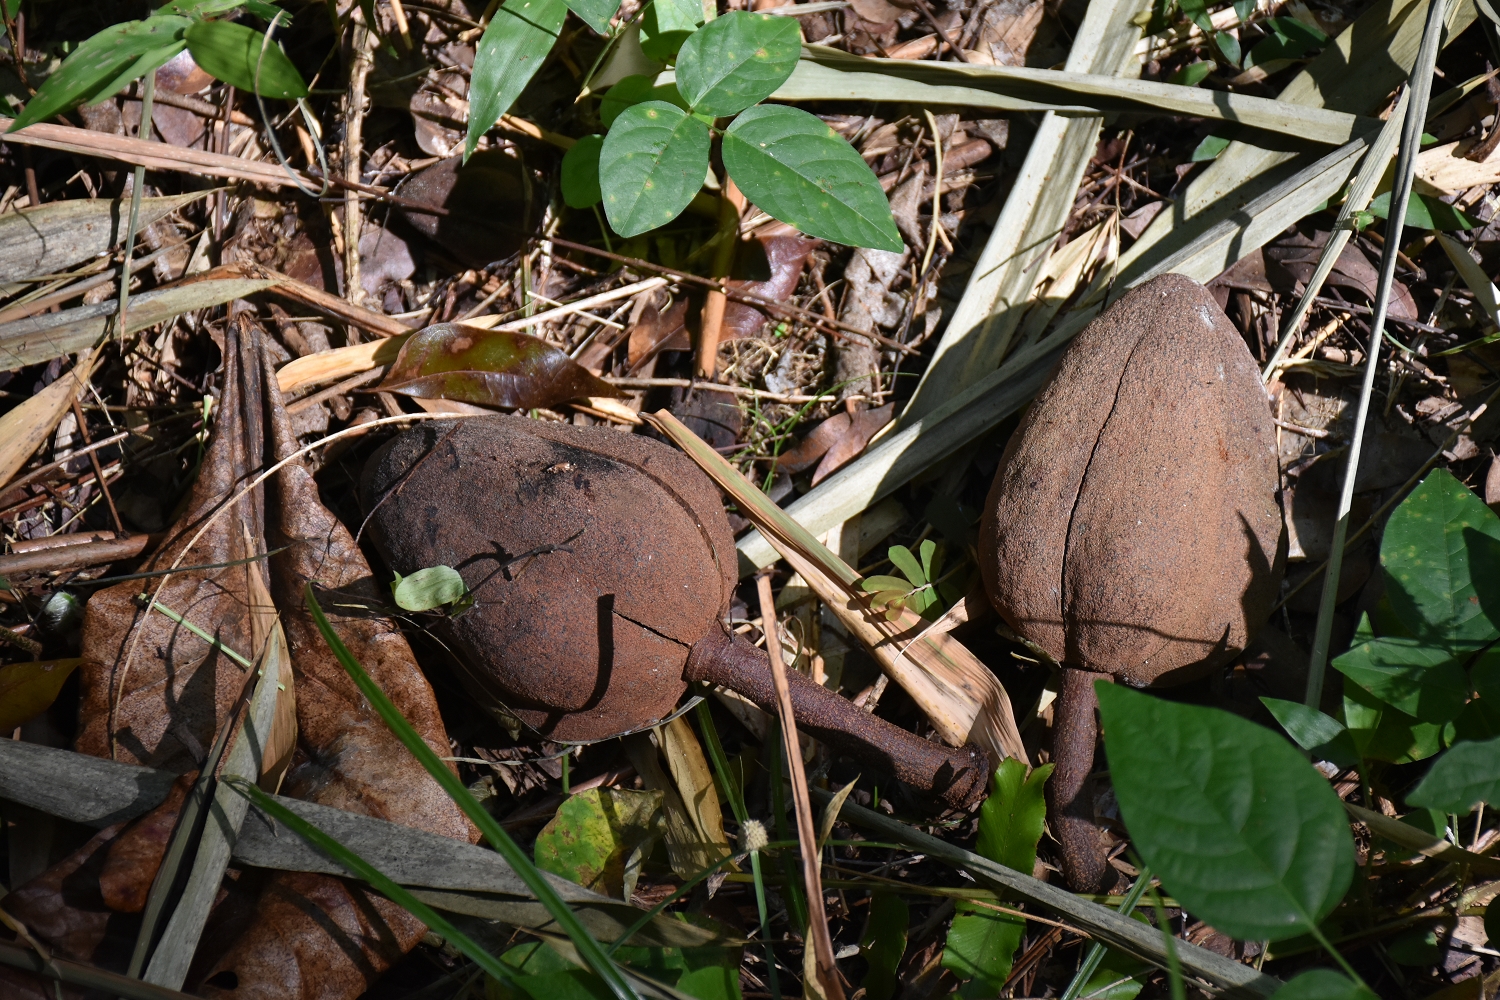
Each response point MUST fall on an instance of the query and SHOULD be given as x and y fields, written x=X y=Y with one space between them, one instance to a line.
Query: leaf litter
x=798 y=395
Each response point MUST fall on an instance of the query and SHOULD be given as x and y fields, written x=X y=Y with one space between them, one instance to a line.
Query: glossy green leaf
x=244 y=58
x=1323 y=984
x=595 y=13
x=428 y=588
x=1228 y=46
x=633 y=90
x=1118 y=977
x=1484 y=674
x=1466 y=775
x=489 y=367
x=580 y=173
x=1381 y=732
x=1415 y=947
x=927 y=550
x=1239 y=827
x=1209 y=148
x=565 y=984
x=210 y=8
x=902 y=558
x=798 y=169
x=666 y=24
x=594 y=832
x=1421 y=679
x=104 y=64
x=982 y=943
x=1320 y=735
x=884 y=943
x=654 y=160
x=511 y=50
x=1192 y=74
x=1425 y=211
x=1441 y=554
x=736 y=60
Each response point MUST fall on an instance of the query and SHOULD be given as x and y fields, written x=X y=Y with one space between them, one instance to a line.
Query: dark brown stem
x=1070 y=790
x=956 y=776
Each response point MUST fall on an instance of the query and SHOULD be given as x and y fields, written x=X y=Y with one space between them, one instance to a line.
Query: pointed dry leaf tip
x=753 y=836
x=492 y=368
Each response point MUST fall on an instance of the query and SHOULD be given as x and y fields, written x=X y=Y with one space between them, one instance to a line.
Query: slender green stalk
x=1174 y=965
x=1406 y=164
x=1338 y=956
x=369 y=873
x=772 y=977
x=1096 y=950
x=796 y=902
x=588 y=949
x=210 y=639
x=148 y=94
x=716 y=754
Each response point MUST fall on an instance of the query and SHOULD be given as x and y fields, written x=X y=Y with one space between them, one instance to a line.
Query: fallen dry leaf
x=26 y=689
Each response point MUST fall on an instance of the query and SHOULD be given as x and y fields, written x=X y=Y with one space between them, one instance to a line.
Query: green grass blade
x=589 y=949
x=732 y=790
x=369 y=873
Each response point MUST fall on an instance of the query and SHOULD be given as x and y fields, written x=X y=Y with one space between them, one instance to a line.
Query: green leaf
x=104 y=64
x=927 y=549
x=1320 y=735
x=1468 y=774
x=982 y=943
x=580 y=173
x=720 y=981
x=1192 y=74
x=884 y=943
x=594 y=832
x=736 y=60
x=1119 y=976
x=595 y=13
x=565 y=984
x=877 y=584
x=210 y=8
x=1197 y=12
x=244 y=58
x=1422 y=680
x=1209 y=148
x=588 y=949
x=633 y=90
x=1424 y=211
x=1381 y=732
x=490 y=367
x=428 y=588
x=1323 y=984
x=1229 y=46
x=907 y=563
x=1484 y=675
x=1441 y=554
x=666 y=24
x=510 y=52
x=654 y=160
x=793 y=166
x=1238 y=826
x=1416 y=947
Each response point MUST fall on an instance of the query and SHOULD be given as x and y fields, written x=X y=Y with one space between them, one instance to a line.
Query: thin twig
x=354 y=117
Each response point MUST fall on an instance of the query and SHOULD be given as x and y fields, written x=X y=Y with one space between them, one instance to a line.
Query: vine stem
x=1420 y=89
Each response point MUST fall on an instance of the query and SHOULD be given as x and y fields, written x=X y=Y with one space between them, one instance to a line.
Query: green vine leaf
x=580 y=173
x=510 y=52
x=244 y=58
x=666 y=24
x=1465 y=776
x=633 y=90
x=595 y=13
x=653 y=161
x=1239 y=827
x=792 y=165
x=737 y=60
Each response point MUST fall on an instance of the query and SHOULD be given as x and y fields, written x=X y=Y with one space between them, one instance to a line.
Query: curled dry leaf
x=463 y=363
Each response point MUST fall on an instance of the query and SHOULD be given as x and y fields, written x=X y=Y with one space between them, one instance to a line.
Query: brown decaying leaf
x=655 y=332
x=462 y=363
x=1291 y=259
x=784 y=256
x=307 y=936
x=853 y=440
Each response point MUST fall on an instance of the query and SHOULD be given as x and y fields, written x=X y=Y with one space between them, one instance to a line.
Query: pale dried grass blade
x=1361 y=191
x=961 y=697
x=46 y=239
x=695 y=781
x=985 y=321
x=1473 y=276
x=24 y=429
x=1446 y=170
x=341 y=362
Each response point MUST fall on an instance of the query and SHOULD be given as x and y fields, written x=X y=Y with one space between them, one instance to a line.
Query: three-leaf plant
x=792 y=165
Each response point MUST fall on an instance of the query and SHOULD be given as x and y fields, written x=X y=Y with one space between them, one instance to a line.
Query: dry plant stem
x=926 y=10
x=731 y=206
x=817 y=918
x=1070 y=792
x=937 y=192
x=354 y=120
x=1411 y=143
x=83 y=432
x=211 y=520
x=138 y=181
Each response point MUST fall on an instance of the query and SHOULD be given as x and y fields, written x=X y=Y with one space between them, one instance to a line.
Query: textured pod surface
x=1133 y=526
x=596 y=560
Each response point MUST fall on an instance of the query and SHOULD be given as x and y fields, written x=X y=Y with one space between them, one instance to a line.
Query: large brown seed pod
x=602 y=567
x=1133 y=528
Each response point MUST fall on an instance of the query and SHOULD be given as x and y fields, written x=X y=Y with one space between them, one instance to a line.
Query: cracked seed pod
x=1133 y=530
x=601 y=566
